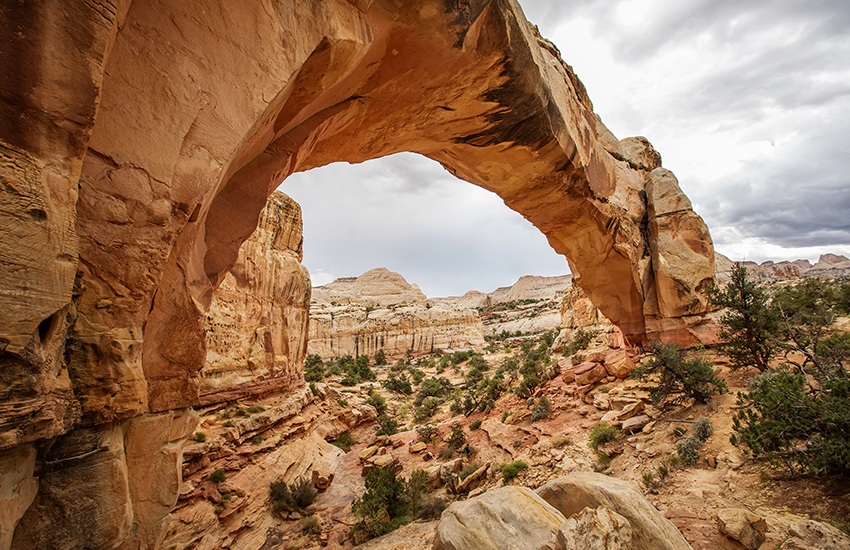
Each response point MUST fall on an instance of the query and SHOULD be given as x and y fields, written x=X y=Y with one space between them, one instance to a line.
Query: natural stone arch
x=141 y=139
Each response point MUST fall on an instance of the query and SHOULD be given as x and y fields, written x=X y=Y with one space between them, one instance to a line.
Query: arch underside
x=142 y=138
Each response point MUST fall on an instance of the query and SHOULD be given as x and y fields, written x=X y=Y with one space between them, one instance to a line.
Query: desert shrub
x=649 y=480
x=426 y=433
x=475 y=424
x=542 y=409
x=376 y=400
x=750 y=325
x=456 y=438
x=692 y=377
x=459 y=357
x=432 y=387
x=562 y=441
x=386 y=425
x=602 y=433
x=446 y=453
x=398 y=383
x=257 y=440
x=427 y=409
x=417 y=376
x=303 y=493
x=200 y=437
x=794 y=426
x=468 y=469
x=505 y=415
x=432 y=508
x=663 y=471
x=344 y=441
x=703 y=429
x=688 y=450
x=282 y=498
x=674 y=461
x=477 y=361
x=512 y=470
x=380 y=357
x=254 y=409
x=580 y=340
x=313 y=389
x=218 y=476
x=314 y=369
x=388 y=501
x=311 y=525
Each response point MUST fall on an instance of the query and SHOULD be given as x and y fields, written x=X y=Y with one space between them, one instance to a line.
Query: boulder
x=814 y=535
x=650 y=530
x=595 y=529
x=742 y=525
x=589 y=373
x=619 y=364
x=417 y=447
x=508 y=517
x=381 y=462
x=635 y=423
x=367 y=453
x=472 y=480
x=322 y=478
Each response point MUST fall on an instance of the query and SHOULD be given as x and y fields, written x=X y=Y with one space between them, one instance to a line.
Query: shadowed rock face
x=139 y=142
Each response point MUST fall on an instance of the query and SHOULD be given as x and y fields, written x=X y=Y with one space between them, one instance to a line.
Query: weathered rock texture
x=352 y=330
x=256 y=326
x=140 y=140
x=381 y=310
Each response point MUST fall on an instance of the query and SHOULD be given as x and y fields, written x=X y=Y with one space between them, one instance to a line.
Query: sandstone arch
x=139 y=141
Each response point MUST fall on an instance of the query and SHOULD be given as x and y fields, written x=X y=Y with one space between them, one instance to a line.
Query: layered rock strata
x=256 y=325
x=352 y=330
x=139 y=142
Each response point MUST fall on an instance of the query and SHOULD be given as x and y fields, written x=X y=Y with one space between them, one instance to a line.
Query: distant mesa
x=828 y=266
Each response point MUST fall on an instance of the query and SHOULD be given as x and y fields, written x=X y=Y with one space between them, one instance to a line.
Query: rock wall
x=351 y=330
x=140 y=140
x=256 y=325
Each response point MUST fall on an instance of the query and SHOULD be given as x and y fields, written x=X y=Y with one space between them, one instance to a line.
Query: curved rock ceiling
x=140 y=140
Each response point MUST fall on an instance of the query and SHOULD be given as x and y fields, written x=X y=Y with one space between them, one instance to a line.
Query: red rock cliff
x=139 y=142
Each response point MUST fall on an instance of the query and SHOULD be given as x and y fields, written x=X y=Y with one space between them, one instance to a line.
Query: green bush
x=303 y=493
x=398 y=383
x=512 y=470
x=688 y=450
x=386 y=425
x=380 y=357
x=427 y=409
x=703 y=429
x=794 y=426
x=344 y=441
x=376 y=400
x=388 y=502
x=750 y=325
x=314 y=369
x=311 y=525
x=456 y=438
x=580 y=340
x=475 y=424
x=562 y=441
x=200 y=437
x=426 y=433
x=432 y=508
x=602 y=433
x=679 y=377
x=257 y=440
x=542 y=409
x=218 y=476
x=282 y=498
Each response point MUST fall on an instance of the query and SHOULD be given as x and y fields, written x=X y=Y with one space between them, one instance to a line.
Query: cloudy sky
x=747 y=101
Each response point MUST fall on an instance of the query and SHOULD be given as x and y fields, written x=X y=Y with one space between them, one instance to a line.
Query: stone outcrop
x=650 y=530
x=508 y=517
x=375 y=288
x=828 y=266
x=139 y=144
x=352 y=330
x=595 y=529
x=532 y=287
x=256 y=325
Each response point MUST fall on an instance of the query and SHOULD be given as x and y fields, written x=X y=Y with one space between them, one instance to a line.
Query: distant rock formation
x=828 y=266
x=256 y=326
x=381 y=310
x=532 y=287
x=376 y=287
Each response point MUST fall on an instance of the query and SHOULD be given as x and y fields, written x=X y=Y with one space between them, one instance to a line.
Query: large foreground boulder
x=508 y=517
x=650 y=530
x=595 y=529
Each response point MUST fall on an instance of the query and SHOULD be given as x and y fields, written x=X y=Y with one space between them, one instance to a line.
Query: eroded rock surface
x=138 y=157
x=256 y=326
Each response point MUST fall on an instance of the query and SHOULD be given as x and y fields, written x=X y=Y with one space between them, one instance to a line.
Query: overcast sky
x=748 y=103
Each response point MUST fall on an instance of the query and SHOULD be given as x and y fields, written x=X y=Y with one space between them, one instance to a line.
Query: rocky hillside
x=828 y=266
x=381 y=310
x=256 y=325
